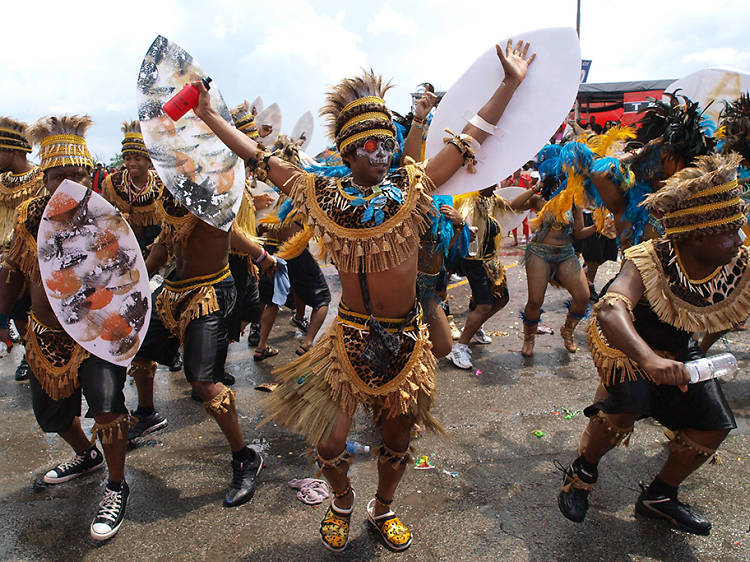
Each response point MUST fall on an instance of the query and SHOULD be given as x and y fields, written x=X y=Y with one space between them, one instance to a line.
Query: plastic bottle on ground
x=355 y=448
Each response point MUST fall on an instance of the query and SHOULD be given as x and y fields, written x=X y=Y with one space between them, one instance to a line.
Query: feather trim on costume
x=295 y=245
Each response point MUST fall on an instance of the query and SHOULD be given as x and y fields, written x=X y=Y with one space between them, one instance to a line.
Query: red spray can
x=184 y=100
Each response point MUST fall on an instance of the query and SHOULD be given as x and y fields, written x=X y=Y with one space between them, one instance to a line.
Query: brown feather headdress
x=735 y=127
x=133 y=141
x=13 y=135
x=244 y=119
x=355 y=110
x=703 y=199
x=61 y=140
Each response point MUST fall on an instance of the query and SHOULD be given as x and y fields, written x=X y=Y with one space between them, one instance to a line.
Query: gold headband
x=723 y=188
x=13 y=140
x=707 y=224
x=362 y=101
x=374 y=115
x=701 y=209
x=64 y=150
x=364 y=135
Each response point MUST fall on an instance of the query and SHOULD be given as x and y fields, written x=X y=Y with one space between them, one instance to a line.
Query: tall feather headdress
x=62 y=140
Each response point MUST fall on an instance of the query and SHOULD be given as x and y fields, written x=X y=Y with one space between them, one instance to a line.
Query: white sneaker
x=460 y=355
x=454 y=278
x=481 y=337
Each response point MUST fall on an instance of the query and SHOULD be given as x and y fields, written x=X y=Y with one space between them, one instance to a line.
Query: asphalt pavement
x=490 y=496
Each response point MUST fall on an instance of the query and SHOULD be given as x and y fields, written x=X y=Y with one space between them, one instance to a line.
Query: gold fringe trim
x=381 y=247
x=676 y=312
x=314 y=389
x=175 y=231
x=57 y=382
x=201 y=302
x=136 y=215
x=610 y=298
x=618 y=435
x=142 y=366
x=23 y=251
x=11 y=197
x=245 y=221
x=293 y=247
x=116 y=430
x=222 y=403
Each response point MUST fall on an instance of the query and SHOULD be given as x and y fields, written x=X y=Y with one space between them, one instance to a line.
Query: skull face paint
x=378 y=152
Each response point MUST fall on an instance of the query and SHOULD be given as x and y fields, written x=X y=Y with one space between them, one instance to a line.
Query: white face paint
x=378 y=152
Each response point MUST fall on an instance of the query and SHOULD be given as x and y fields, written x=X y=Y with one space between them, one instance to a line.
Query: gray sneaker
x=147 y=424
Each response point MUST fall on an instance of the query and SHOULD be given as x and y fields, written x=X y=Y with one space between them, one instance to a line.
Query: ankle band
x=220 y=404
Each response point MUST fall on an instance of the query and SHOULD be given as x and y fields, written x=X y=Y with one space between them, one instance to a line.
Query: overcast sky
x=84 y=56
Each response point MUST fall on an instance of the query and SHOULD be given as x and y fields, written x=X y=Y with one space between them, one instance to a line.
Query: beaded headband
x=64 y=150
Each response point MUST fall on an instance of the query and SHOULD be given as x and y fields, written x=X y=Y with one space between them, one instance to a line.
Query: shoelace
x=109 y=507
x=78 y=460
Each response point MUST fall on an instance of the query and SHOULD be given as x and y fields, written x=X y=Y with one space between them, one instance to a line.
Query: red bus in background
x=623 y=102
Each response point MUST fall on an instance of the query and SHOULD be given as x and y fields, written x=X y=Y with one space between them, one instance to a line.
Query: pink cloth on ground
x=311 y=490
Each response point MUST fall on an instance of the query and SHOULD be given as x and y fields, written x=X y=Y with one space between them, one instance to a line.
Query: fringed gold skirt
x=332 y=379
x=181 y=302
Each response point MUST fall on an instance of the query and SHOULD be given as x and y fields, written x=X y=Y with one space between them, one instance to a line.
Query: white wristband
x=482 y=125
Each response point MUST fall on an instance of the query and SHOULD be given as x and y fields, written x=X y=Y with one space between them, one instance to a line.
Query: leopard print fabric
x=56 y=346
x=143 y=208
x=354 y=342
x=713 y=291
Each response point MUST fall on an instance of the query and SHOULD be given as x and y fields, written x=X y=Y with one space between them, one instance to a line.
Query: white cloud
x=722 y=56
x=389 y=20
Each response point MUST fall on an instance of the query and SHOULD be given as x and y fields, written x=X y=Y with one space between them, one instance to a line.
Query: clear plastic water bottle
x=355 y=448
x=155 y=282
x=709 y=367
x=473 y=242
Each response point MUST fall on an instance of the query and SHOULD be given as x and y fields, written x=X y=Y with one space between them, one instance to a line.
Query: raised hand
x=204 y=101
x=514 y=61
x=424 y=105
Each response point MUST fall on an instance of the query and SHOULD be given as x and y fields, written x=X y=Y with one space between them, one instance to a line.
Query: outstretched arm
x=240 y=243
x=279 y=171
x=515 y=65
x=418 y=129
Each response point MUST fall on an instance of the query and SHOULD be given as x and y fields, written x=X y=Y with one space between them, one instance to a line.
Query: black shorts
x=247 y=308
x=206 y=338
x=308 y=281
x=101 y=383
x=596 y=248
x=483 y=289
x=703 y=407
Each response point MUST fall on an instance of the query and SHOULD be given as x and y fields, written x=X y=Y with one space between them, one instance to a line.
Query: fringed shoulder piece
x=380 y=230
x=139 y=208
x=714 y=304
x=17 y=188
x=23 y=251
x=177 y=224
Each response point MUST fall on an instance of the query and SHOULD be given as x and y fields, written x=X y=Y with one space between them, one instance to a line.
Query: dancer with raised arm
x=377 y=353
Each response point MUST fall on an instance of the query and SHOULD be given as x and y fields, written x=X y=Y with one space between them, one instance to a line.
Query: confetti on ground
x=477 y=373
x=570 y=414
x=423 y=463
x=451 y=474
x=538 y=433
x=496 y=333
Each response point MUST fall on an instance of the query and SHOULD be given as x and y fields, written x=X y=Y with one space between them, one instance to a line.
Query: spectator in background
x=97 y=177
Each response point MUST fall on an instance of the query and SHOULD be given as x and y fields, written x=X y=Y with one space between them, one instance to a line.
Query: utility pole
x=577 y=112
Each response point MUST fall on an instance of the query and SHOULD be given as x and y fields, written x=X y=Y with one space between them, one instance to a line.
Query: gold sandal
x=395 y=534
x=334 y=529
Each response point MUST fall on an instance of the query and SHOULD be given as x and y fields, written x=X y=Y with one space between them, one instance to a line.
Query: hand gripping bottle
x=710 y=367
x=184 y=100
